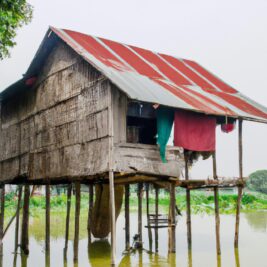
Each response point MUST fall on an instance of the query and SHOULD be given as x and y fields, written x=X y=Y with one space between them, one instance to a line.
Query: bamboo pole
x=216 y=202
x=90 y=212
x=68 y=217
x=172 y=226
x=188 y=205
x=139 y=193
x=2 y=213
x=127 y=217
x=77 y=220
x=240 y=189
x=147 y=215
x=17 y=217
x=112 y=216
x=157 y=215
x=47 y=218
x=25 y=221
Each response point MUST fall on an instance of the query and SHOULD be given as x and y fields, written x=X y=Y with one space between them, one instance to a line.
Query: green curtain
x=165 y=117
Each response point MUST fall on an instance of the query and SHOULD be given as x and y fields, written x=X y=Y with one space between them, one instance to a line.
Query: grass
x=201 y=202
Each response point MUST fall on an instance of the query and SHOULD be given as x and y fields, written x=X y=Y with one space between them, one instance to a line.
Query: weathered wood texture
x=59 y=127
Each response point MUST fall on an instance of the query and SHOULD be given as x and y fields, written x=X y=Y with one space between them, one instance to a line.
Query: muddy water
x=252 y=251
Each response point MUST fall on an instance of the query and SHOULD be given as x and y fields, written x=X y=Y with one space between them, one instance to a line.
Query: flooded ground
x=252 y=251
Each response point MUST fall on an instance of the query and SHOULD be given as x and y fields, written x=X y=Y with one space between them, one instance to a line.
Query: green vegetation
x=258 y=181
x=13 y=15
x=201 y=202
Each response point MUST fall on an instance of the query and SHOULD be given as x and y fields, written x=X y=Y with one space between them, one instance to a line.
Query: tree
x=258 y=181
x=13 y=15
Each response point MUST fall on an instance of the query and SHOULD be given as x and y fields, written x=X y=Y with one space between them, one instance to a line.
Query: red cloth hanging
x=194 y=131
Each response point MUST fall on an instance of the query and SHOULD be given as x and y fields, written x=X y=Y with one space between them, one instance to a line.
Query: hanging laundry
x=194 y=131
x=165 y=118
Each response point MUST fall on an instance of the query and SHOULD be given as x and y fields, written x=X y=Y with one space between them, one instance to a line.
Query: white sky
x=227 y=37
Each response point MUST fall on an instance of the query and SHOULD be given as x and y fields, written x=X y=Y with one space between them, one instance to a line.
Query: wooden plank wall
x=58 y=128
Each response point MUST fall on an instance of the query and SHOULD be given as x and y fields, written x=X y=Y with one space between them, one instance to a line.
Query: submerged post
x=188 y=205
x=147 y=215
x=172 y=223
x=139 y=193
x=17 y=217
x=112 y=217
x=240 y=189
x=68 y=217
x=77 y=220
x=90 y=212
x=216 y=202
x=2 y=210
x=127 y=217
x=47 y=218
x=25 y=221
x=157 y=215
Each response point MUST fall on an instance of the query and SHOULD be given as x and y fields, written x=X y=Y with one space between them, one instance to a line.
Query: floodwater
x=252 y=246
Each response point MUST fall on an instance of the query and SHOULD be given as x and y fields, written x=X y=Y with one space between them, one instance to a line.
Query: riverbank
x=201 y=202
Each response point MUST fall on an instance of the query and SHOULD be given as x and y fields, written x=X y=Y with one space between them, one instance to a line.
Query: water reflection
x=257 y=220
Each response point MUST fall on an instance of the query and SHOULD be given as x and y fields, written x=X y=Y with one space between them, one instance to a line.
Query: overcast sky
x=227 y=37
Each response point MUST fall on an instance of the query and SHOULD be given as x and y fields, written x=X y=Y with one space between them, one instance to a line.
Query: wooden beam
x=127 y=217
x=240 y=188
x=2 y=213
x=17 y=218
x=147 y=215
x=47 y=218
x=216 y=202
x=157 y=215
x=25 y=221
x=90 y=212
x=67 y=217
x=139 y=195
x=77 y=221
x=172 y=223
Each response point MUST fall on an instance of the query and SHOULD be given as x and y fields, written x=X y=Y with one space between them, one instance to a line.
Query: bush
x=258 y=181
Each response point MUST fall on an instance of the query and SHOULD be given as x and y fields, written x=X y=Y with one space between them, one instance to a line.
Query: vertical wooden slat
x=68 y=217
x=90 y=212
x=240 y=189
x=139 y=193
x=188 y=205
x=147 y=215
x=2 y=214
x=77 y=220
x=172 y=240
x=17 y=218
x=47 y=217
x=157 y=215
x=127 y=217
x=25 y=221
x=216 y=202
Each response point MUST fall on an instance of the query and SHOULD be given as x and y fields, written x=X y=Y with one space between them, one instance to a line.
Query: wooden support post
x=77 y=220
x=127 y=216
x=216 y=202
x=90 y=212
x=17 y=218
x=172 y=223
x=139 y=193
x=112 y=217
x=240 y=189
x=2 y=215
x=147 y=215
x=47 y=218
x=25 y=221
x=188 y=205
x=157 y=215
x=67 y=217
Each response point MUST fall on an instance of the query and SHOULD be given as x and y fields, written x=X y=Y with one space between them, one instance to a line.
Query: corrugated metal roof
x=158 y=78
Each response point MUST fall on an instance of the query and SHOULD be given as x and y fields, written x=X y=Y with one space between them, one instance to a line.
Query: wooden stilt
x=172 y=226
x=237 y=261
x=2 y=213
x=112 y=216
x=188 y=205
x=147 y=215
x=139 y=193
x=25 y=221
x=157 y=215
x=77 y=220
x=47 y=217
x=127 y=217
x=240 y=189
x=17 y=218
x=216 y=202
x=68 y=217
x=90 y=212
